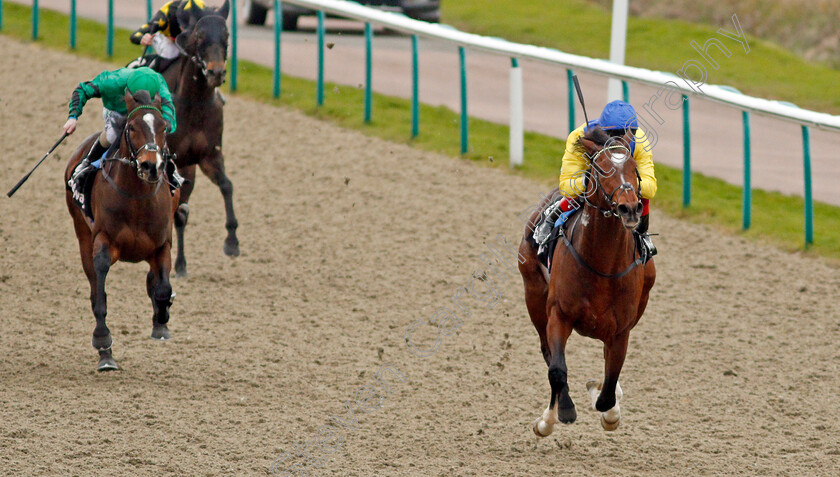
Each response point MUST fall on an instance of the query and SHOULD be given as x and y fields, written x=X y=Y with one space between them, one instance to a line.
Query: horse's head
x=144 y=140
x=205 y=39
x=615 y=183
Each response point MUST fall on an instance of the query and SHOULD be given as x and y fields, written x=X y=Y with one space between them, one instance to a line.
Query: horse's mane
x=594 y=134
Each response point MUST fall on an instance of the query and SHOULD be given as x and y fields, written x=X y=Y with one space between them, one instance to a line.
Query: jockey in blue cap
x=617 y=119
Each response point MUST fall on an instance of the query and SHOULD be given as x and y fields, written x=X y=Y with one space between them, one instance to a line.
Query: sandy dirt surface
x=346 y=241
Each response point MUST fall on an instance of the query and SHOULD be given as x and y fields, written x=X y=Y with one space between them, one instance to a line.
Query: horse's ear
x=157 y=101
x=590 y=146
x=183 y=17
x=224 y=10
x=130 y=103
x=183 y=39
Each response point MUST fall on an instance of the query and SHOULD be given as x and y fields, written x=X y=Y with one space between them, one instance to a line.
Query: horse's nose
x=219 y=75
x=623 y=210
x=640 y=207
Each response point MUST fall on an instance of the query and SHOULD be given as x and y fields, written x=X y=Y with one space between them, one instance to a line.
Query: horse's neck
x=603 y=242
x=192 y=84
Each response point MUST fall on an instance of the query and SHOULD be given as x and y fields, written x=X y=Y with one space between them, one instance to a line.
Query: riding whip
x=24 y=179
x=580 y=97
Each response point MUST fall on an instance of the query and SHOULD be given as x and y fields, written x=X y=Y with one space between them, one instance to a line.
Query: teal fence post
x=415 y=88
x=320 y=88
x=1 y=15
x=571 y=99
x=149 y=9
x=464 y=117
x=747 y=173
x=35 y=15
x=809 y=200
x=686 y=155
x=278 y=27
x=234 y=54
x=625 y=91
x=109 y=49
x=73 y=24
x=368 y=70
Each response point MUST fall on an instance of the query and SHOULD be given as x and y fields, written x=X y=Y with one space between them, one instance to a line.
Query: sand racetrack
x=346 y=241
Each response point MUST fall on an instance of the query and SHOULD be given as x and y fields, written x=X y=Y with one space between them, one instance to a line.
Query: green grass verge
x=777 y=219
x=577 y=26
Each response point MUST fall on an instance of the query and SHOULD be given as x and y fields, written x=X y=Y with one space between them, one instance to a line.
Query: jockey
x=111 y=87
x=617 y=118
x=161 y=31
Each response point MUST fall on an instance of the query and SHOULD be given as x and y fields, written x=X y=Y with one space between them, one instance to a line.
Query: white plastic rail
x=499 y=46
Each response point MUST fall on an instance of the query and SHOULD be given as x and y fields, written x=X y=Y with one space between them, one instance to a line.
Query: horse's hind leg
x=536 y=293
x=214 y=168
x=607 y=400
x=182 y=214
x=560 y=407
x=160 y=291
x=102 y=260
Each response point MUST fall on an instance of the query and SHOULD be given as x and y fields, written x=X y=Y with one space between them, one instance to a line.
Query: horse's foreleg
x=160 y=291
x=560 y=407
x=182 y=214
x=610 y=391
x=214 y=168
x=102 y=260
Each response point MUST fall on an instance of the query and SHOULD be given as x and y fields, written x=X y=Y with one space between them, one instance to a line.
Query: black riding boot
x=161 y=64
x=644 y=239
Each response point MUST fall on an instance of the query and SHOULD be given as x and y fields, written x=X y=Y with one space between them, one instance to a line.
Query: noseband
x=613 y=196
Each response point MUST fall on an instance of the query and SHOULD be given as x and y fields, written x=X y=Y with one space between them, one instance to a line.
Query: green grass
x=577 y=26
x=777 y=219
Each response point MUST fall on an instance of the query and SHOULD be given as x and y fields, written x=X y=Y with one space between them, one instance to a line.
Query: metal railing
x=515 y=51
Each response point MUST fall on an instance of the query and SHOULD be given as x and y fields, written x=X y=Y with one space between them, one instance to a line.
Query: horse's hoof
x=610 y=426
x=542 y=431
x=106 y=361
x=160 y=333
x=567 y=416
x=231 y=249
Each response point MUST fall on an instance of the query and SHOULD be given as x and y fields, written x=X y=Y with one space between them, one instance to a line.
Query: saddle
x=561 y=228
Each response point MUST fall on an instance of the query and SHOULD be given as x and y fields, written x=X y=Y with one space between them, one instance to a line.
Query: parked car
x=254 y=12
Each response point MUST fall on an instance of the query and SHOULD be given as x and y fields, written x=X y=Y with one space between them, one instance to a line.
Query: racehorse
x=193 y=79
x=132 y=217
x=597 y=286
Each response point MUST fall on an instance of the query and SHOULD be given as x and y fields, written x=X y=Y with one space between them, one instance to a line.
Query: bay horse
x=132 y=217
x=193 y=79
x=597 y=286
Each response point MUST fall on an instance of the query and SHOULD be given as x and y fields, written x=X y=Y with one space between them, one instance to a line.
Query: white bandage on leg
x=165 y=47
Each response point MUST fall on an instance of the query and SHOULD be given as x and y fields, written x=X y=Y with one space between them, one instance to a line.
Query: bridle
x=613 y=196
x=611 y=199
x=133 y=153
x=196 y=59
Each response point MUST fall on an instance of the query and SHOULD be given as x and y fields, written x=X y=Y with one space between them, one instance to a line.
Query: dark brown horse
x=598 y=286
x=193 y=79
x=132 y=217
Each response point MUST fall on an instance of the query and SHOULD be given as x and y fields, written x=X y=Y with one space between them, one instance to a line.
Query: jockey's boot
x=644 y=238
x=175 y=179
x=84 y=165
x=160 y=64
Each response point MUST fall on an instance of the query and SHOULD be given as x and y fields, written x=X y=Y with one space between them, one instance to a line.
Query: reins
x=607 y=213
x=131 y=161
